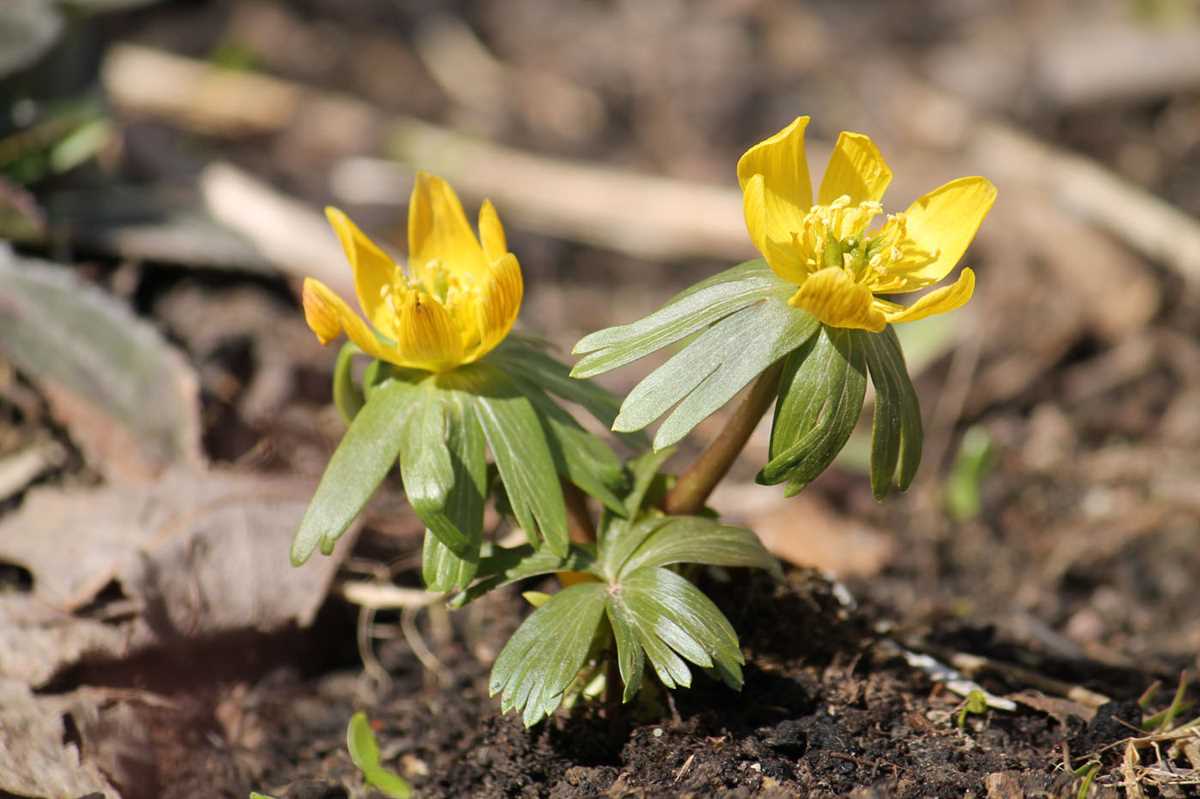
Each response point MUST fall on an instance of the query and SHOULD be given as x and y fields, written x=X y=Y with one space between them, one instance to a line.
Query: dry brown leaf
x=1055 y=707
x=804 y=531
x=36 y=758
x=197 y=553
x=37 y=641
x=129 y=399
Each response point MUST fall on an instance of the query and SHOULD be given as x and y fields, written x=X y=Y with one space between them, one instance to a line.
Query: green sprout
x=364 y=753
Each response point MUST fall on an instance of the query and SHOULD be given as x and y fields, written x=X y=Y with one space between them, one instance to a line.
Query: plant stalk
x=697 y=482
x=580 y=528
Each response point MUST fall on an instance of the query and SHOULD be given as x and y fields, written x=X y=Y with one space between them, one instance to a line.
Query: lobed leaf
x=579 y=456
x=522 y=357
x=714 y=367
x=547 y=651
x=518 y=443
x=427 y=468
x=443 y=568
x=693 y=539
x=691 y=311
x=631 y=658
x=347 y=396
x=820 y=400
x=623 y=539
x=358 y=466
x=911 y=434
x=518 y=563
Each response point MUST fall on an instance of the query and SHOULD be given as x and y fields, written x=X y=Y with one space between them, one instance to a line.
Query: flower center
x=836 y=235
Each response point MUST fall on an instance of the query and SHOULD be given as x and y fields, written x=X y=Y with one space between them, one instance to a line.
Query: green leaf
x=518 y=443
x=427 y=467
x=692 y=539
x=257 y=795
x=666 y=610
x=518 y=563
x=520 y=356
x=442 y=568
x=623 y=539
x=631 y=660
x=688 y=312
x=360 y=740
x=364 y=752
x=579 y=456
x=547 y=651
x=911 y=435
x=347 y=396
x=714 y=367
x=644 y=469
x=357 y=467
x=820 y=400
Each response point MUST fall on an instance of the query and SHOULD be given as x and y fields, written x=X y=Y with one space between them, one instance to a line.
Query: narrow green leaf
x=518 y=355
x=347 y=396
x=821 y=396
x=361 y=742
x=644 y=469
x=579 y=456
x=680 y=616
x=257 y=795
x=547 y=651
x=886 y=426
x=623 y=539
x=519 y=563
x=776 y=330
x=896 y=435
x=442 y=568
x=518 y=443
x=687 y=313
x=630 y=658
x=692 y=539
x=714 y=367
x=357 y=467
x=668 y=666
x=427 y=467
x=911 y=436
x=364 y=753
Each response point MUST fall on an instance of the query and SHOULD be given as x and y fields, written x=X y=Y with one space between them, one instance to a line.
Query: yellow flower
x=826 y=248
x=458 y=300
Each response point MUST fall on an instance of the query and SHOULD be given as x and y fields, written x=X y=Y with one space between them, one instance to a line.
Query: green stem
x=692 y=489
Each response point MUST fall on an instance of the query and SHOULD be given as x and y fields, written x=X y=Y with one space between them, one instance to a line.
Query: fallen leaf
x=804 y=530
x=37 y=759
x=195 y=554
x=129 y=399
x=37 y=641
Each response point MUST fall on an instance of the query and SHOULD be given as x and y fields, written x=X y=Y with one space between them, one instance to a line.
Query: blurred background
x=163 y=166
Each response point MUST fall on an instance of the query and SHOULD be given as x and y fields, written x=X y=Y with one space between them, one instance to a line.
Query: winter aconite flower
x=449 y=383
x=457 y=301
x=814 y=306
x=831 y=251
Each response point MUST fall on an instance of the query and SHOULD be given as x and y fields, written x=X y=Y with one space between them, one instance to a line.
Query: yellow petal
x=498 y=304
x=944 y=222
x=836 y=300
x=438 y=231
x=328 y=315
x=856 y=169
x=373 y=269
x=941 y=300
x=491 y=233
x=426 y=336
x=786 y=191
